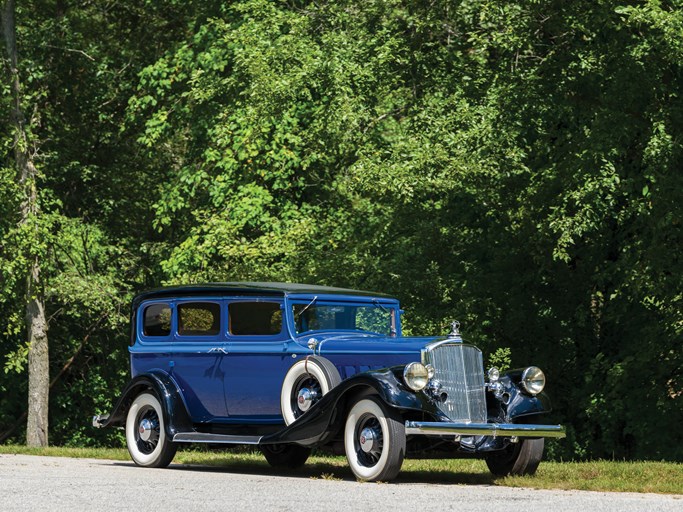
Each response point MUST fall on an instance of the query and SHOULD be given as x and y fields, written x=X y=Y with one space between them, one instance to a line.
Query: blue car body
x=229 y=363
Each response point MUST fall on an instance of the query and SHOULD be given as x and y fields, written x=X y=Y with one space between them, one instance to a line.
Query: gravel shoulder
x=64 y=484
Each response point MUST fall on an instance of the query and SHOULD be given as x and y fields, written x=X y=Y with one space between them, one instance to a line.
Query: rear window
x=157 y=320
x=255 y=318
x=199 y=319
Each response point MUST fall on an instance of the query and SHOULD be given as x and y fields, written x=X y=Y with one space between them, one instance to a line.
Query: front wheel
x=146 y=437
x=374 y=440
x=521 y=458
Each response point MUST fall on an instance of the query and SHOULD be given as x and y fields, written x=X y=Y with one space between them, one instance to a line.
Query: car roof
x=249 y=288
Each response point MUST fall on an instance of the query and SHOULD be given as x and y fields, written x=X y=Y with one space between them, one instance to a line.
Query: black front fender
x=328 y=415
x=522 y=404
x=176 y=417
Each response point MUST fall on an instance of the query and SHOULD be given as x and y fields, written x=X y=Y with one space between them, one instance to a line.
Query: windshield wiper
x=379 y=305
x=296 y=316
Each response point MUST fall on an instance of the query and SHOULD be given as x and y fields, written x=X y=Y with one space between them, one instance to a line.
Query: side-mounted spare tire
x=305 y=383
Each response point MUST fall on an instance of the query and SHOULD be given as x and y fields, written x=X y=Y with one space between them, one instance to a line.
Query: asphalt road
x=61 y=484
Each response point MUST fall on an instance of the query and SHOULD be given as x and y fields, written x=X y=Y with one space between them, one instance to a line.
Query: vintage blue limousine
x=291 y=367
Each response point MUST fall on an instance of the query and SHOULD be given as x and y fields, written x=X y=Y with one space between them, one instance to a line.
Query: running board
x=201 y=437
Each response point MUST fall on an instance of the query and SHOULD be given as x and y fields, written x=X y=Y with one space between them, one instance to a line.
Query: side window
x=199 y=319
x=374 y=320
x=157 y=320
x=255 y=318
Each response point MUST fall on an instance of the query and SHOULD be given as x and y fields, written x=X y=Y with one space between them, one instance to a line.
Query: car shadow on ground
x=330 y=472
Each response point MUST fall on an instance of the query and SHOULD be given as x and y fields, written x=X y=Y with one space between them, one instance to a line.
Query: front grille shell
x=460 y=370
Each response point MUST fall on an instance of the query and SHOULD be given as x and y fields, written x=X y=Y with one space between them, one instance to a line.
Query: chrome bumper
x=437 y=428
x=99 y=420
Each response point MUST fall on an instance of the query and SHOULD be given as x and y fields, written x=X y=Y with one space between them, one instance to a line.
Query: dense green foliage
x=514 y=165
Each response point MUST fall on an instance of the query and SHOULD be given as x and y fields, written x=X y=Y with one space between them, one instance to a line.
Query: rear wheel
x=374 y=440
x=146 y=437
x=520 y=458
x=285 y=456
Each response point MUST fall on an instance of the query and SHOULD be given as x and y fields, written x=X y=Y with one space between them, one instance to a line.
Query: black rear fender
x=159 y=383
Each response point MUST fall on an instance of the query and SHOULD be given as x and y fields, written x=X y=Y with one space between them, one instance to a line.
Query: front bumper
x=438 y=428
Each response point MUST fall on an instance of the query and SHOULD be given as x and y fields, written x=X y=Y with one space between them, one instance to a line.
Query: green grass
x=656 y=477
x=55 y=451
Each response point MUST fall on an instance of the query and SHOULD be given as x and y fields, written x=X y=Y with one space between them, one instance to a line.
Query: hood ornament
x=455 y=330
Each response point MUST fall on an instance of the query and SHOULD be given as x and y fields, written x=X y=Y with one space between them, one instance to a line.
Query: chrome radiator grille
x=460 y=370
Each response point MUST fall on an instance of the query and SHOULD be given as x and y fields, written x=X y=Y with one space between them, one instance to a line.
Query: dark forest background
x=515 y=165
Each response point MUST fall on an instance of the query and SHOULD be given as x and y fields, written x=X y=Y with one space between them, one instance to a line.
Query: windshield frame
x=389 y=304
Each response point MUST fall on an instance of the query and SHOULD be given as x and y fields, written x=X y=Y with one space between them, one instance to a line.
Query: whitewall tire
x=374 y=440
x=146 y=437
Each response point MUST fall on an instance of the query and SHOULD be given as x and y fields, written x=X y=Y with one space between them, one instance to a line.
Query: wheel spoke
x=369 y=458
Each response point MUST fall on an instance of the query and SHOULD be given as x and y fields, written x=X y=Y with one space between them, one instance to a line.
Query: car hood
x=354 y=344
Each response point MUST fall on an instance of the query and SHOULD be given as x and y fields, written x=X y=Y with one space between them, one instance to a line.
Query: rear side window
x=157 y=321
x=255 y=318
x=199 y=319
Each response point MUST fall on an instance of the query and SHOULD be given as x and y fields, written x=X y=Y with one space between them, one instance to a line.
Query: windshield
x=367 y=318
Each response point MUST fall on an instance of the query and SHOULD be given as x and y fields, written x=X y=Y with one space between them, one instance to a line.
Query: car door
x=258 y=359
x=199 y=357
x=154 y=336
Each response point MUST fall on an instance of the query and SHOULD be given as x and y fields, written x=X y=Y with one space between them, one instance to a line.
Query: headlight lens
x=416 y=376
x=494 y=374
x=533 y=380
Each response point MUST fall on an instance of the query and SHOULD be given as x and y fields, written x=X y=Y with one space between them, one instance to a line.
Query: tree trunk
x=38 y=356
x=38 y=363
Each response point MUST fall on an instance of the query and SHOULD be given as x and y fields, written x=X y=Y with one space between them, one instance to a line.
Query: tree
x=79 y=65
x=36 y=322
x=513 y=165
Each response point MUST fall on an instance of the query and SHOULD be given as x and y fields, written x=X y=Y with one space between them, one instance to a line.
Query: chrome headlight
x=416 y=376
x=533 y=380
x=493 y=374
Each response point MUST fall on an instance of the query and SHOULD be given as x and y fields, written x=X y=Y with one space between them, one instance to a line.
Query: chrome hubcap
x=305 y=399
x=367 y=439
x=145 y=429
x=148 y=431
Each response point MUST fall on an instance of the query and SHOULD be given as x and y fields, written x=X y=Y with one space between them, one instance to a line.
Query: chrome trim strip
x=202 y=437
x=435 y=344
x=438 y=428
